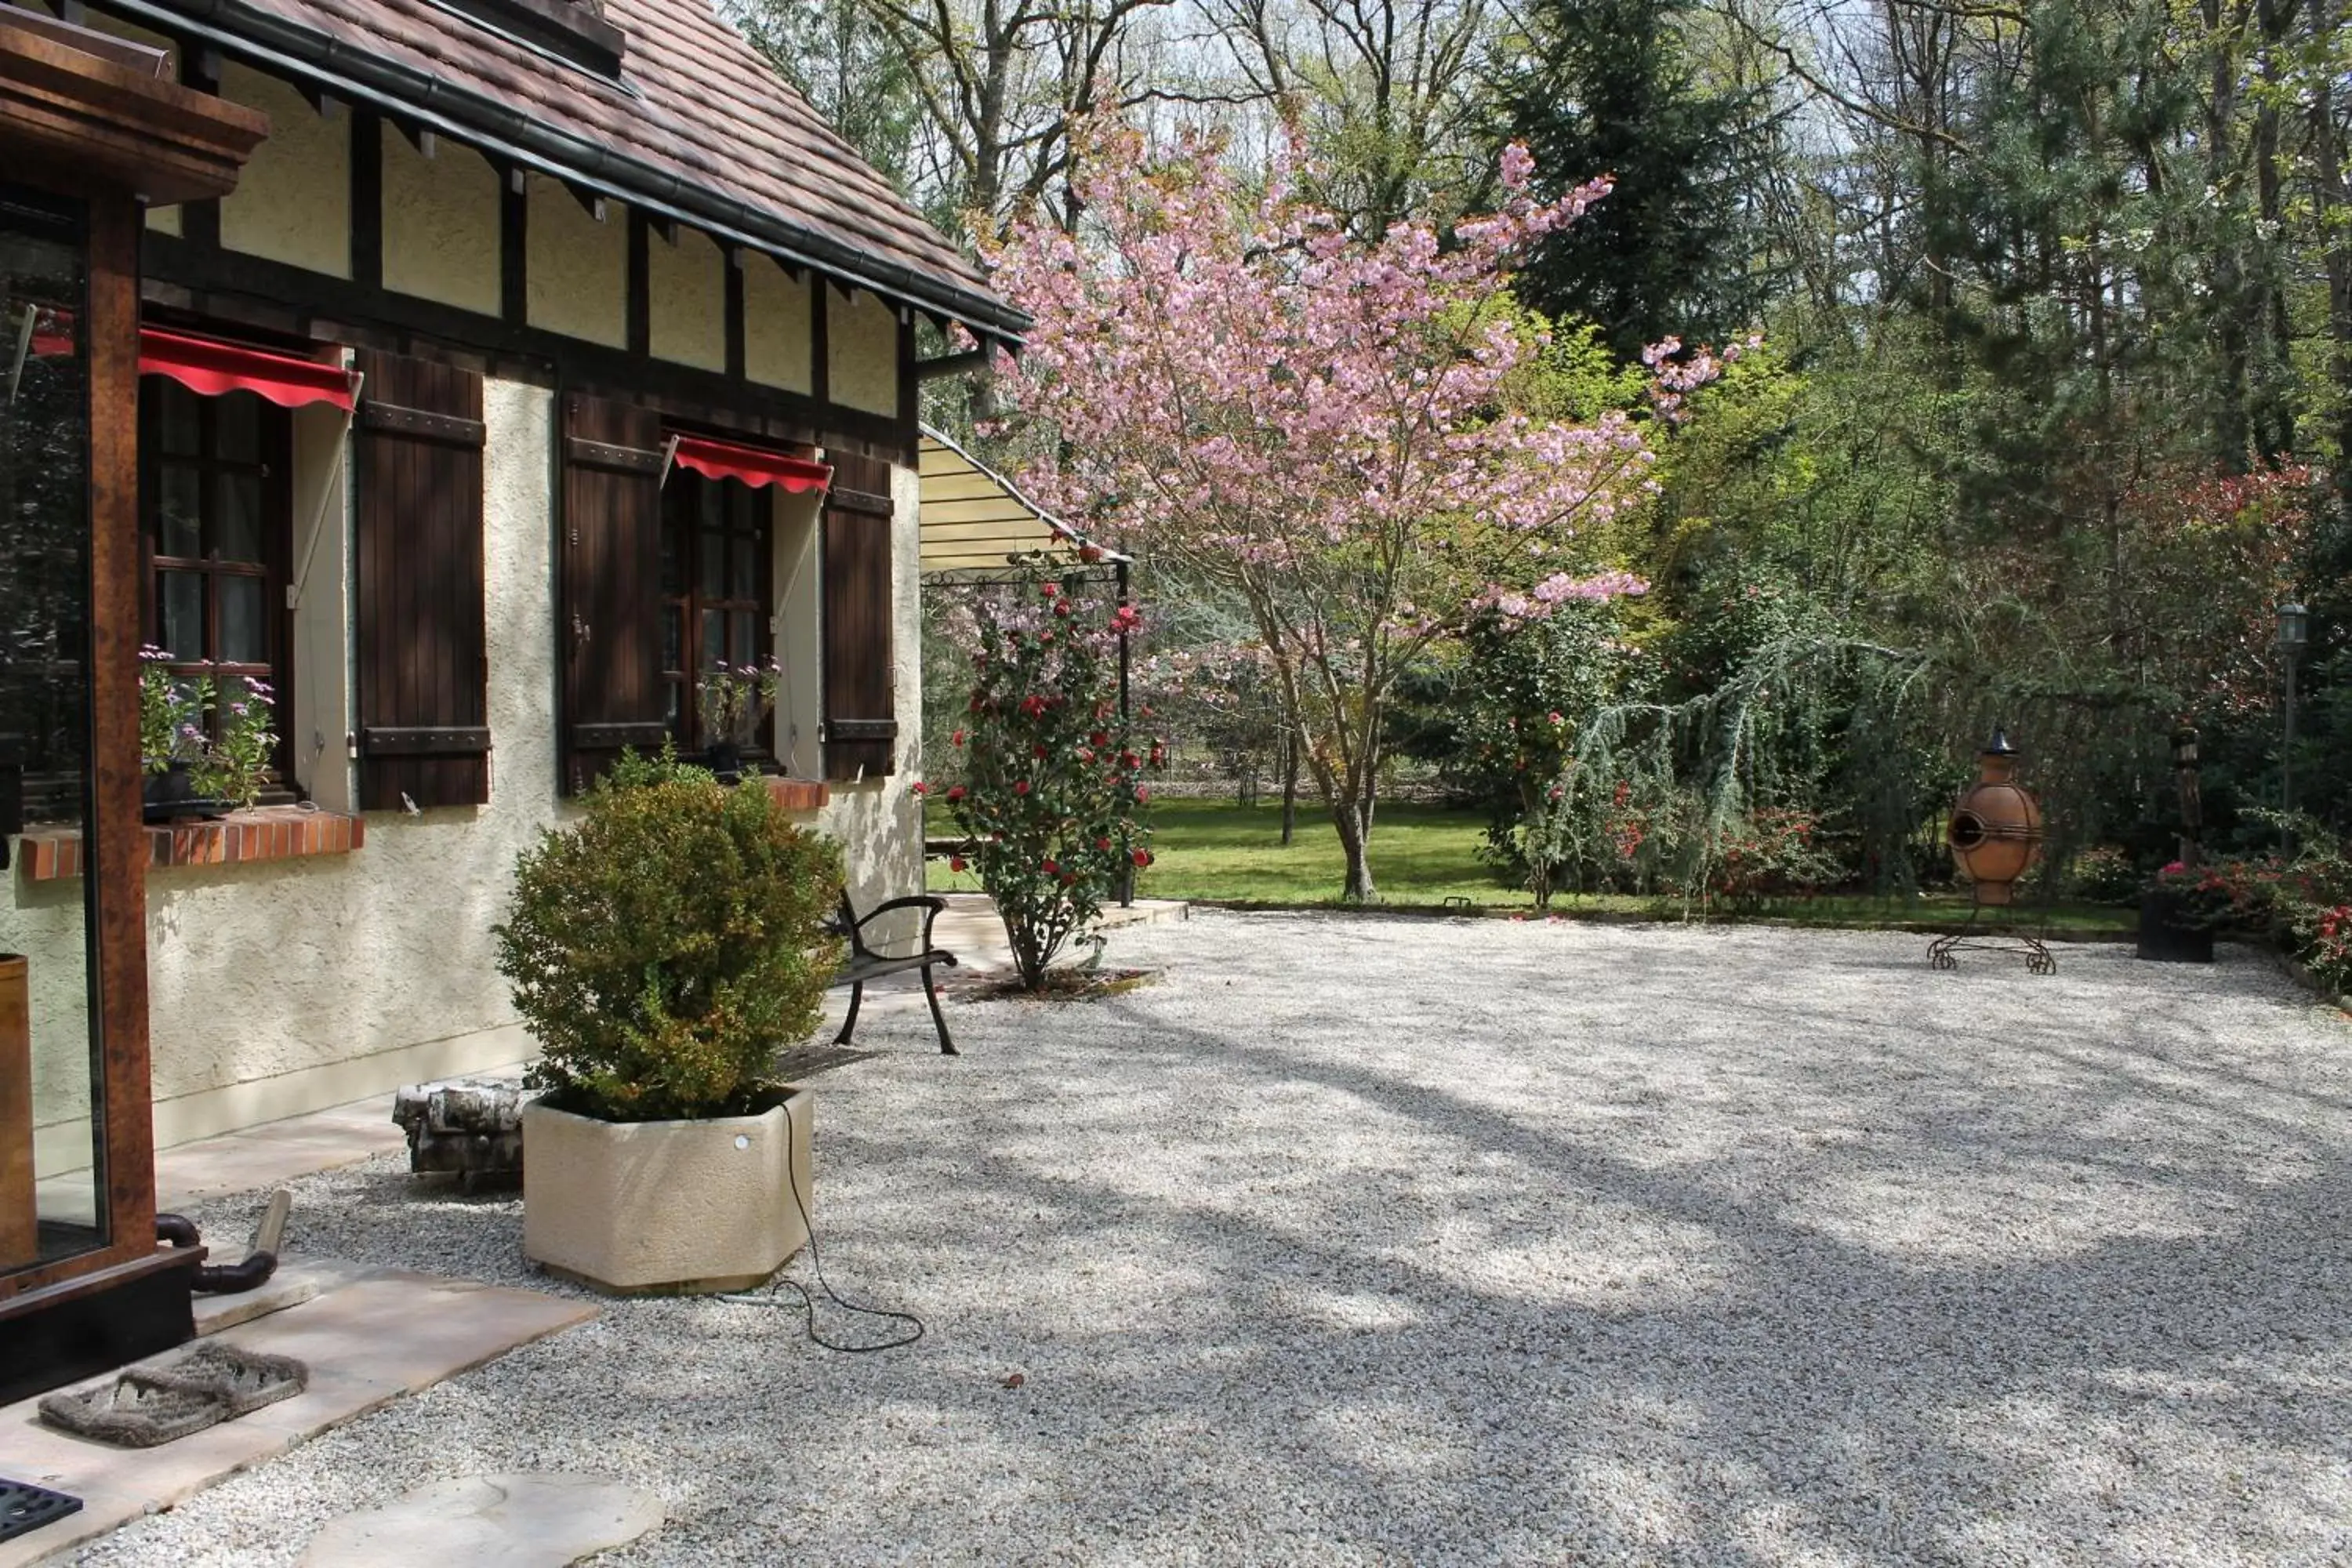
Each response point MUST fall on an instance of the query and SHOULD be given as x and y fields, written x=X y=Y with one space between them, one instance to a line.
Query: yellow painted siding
x=293 y=203
x=440 y=225
x=777 y=349
x=165 y=220
x=577 y=269
x=862 y=343
x=685 y=287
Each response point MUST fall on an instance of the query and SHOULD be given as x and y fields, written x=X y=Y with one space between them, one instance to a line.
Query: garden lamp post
x=2294 y=631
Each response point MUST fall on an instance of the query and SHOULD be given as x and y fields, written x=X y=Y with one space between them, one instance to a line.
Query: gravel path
x=1392 y=1240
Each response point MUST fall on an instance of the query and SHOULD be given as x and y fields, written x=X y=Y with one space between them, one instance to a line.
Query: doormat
x=213 y=1384
x=25 y=1507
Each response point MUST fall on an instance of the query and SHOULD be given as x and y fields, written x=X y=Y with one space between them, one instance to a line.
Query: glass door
x=52 y=1180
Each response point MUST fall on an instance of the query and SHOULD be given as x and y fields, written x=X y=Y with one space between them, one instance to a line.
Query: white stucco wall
x=577 y=269
x=862 y=351
x=441 y=224
x=778 y=348
x=685 y=300
x=293 y=203
x=281 y=986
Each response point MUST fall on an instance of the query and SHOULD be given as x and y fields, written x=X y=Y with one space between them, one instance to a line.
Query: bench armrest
x=931 y=904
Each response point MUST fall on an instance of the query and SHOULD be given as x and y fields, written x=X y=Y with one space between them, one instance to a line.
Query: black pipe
x=433 y=102
x=228 y=1278
x=215 y=1279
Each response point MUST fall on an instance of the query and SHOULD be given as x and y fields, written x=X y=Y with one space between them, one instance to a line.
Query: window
x=715 y=583
x=214 y=503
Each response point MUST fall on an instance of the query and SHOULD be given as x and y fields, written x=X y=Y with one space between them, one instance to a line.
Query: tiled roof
x=696 y=121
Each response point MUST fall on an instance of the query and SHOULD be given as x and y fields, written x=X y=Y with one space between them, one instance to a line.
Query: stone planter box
x=666 y=1206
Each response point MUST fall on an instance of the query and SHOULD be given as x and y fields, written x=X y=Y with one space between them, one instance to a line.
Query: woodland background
x=2052 y=408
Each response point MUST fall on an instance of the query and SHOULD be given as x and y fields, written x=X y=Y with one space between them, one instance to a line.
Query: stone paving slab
x=370 y=1336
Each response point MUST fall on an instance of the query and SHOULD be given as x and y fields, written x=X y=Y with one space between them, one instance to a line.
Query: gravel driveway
x=1369 y=1239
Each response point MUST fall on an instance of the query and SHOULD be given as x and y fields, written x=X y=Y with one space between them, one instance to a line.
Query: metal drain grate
x=24 y=1508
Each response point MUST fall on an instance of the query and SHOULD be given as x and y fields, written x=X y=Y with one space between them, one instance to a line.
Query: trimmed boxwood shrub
x=667 y=946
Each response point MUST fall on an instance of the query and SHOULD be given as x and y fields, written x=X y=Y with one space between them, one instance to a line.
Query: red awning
x=753 y=465
x=214 y=368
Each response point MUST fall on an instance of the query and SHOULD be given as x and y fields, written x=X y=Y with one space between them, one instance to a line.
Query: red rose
x=955 y=862
x=1098 y=738
x=1053 y=867
x=1141 y=856
x=1142 y=794
x=956 y=738
x=921 y=788
x=1102 y=843
x=1021 y=787
x=955 y=795
x=1036 y=751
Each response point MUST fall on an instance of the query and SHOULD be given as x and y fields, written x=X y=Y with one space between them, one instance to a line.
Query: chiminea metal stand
x=2001 y=934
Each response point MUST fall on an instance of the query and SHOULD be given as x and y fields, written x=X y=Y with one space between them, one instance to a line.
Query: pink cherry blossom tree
x=1233 y=389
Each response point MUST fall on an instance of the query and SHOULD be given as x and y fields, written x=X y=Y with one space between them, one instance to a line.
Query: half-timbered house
x=543 y=355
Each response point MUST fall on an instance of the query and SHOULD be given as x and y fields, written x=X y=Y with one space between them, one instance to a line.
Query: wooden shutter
x=861 y=725
x=609 y=637
x=424 y=666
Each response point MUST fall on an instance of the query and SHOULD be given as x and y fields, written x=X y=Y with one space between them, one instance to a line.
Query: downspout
x=1127 y=869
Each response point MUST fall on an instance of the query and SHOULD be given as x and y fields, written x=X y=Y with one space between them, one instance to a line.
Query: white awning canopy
x=976 y=523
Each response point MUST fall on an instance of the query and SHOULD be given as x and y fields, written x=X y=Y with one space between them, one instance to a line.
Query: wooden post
x=19 y=1242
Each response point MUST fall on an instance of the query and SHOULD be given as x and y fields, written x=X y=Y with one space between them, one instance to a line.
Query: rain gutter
x=465 y=115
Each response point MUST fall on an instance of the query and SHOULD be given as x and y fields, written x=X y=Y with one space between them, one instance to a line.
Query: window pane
x=714 y=564
x=244 y=633
x=746 y=554
x=673 y=568
x=237 y=426
x=714 y=638
x=179 y=429
x=674 y=638
x=180 y=595
x=237 y=518
x=746 y=634
x=179 y=514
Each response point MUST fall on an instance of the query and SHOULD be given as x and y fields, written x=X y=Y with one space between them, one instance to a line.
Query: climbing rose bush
x=1049 y=788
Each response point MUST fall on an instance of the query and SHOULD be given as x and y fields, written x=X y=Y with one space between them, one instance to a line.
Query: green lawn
x=1215 y=851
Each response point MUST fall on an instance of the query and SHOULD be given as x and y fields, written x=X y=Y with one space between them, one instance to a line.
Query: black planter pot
x=2166 y=935
x=726 y=760
x=171 y=796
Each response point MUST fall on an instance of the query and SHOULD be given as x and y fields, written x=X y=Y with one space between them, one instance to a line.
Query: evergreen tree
x=1608 y=86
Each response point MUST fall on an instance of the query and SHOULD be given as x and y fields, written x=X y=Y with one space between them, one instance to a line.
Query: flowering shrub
x=2327 y=948
x=1771 y=853
x=2104 y=872
x=1049 y=786
x=178 y=716
x=2304 y=905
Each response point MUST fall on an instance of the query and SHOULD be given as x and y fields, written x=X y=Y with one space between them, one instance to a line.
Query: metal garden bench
x=864 y=964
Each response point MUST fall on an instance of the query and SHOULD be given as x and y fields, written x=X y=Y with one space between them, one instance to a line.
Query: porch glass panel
x=52 y=1177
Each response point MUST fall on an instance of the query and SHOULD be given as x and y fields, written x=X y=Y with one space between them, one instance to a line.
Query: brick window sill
x=798 y=794
x=240 y=839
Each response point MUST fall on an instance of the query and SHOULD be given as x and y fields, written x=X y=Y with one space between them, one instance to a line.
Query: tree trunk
x=1355 y=840
x=2327 y=158
x=1289 y=786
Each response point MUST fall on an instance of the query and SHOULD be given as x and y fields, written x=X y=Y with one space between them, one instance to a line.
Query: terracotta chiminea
x=1996 y=829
